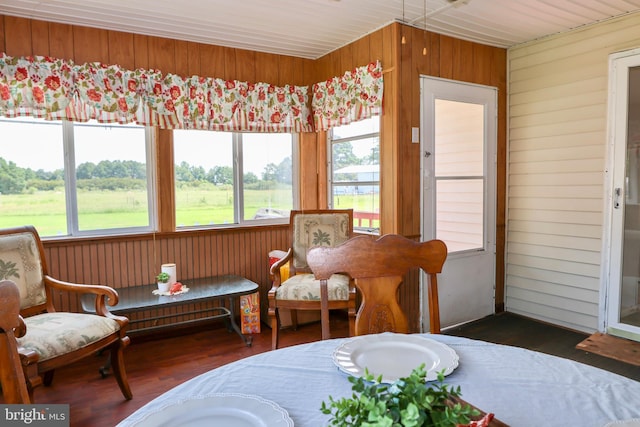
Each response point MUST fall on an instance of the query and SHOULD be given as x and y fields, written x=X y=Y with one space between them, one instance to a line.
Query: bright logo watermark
x=34 y=415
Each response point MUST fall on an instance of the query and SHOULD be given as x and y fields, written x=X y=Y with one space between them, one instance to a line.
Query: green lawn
x=113 y=209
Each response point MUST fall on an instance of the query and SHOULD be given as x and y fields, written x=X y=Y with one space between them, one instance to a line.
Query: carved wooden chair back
x=378 y=267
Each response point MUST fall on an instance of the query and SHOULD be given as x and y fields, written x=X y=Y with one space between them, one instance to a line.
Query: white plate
x=219 y=409
x=394 y=356
x=624 y=423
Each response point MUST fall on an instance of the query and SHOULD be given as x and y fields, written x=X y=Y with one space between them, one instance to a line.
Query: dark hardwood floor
x=156 y=365
x=511 y=329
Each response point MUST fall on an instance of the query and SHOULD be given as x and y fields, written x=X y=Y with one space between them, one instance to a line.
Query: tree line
x=129 y=175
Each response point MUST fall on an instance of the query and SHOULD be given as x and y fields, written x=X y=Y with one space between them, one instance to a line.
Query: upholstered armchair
x=58 y=338
x=301 y=291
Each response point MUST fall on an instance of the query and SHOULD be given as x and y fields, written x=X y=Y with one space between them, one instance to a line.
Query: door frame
x=490 y=197
x=613 y=225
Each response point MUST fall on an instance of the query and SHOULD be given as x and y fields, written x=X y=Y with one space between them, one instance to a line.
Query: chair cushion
x=317 y=229
x=53 y=334
x=306 y=287
x=20 y=262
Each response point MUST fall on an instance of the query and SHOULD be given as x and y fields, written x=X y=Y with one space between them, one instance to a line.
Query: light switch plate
x=415 y=135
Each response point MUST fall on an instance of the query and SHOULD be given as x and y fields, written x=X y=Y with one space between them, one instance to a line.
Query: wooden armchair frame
x=298 y=266
x=12 y=379
x=377 y=267
x=36 y=302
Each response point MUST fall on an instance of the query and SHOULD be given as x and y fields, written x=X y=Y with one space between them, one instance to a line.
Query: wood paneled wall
x=403 y=64
x=400 y=159
x=452 y=59
x=22 y=36
x=134 y=260
x=131 y=260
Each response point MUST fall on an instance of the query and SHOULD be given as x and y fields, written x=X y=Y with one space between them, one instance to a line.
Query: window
x=101 y=185
x=460 y=174
x=354 y=172
x=225 y=178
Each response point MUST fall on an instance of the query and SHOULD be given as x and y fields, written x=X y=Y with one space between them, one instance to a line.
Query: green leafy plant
x=408 y=402
x=163 y=277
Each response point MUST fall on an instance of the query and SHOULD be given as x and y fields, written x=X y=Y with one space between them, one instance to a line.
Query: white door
x=620 y=308
x=459 y=123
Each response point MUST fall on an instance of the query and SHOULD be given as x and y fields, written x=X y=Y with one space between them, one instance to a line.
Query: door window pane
x=459 y=139
x=459 y=213
x=629 y=308
x=459 y=170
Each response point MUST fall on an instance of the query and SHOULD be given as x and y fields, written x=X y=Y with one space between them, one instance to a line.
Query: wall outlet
x=415 y=135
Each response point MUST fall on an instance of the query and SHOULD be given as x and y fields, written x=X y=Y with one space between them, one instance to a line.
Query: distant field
x=113 y=209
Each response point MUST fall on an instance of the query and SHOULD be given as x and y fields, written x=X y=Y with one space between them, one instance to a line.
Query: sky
x=40 y=146
x=208 y=149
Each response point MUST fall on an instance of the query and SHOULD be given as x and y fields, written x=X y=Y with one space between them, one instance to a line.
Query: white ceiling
x=312 y=28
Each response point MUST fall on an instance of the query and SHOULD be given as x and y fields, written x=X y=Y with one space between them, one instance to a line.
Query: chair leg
x=48 y=378
x=117 y=363
x=352 y=323
x=294 y=319
x=275 y=328
x=31 y=376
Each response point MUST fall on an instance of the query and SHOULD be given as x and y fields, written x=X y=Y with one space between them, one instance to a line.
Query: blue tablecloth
x=521 y=387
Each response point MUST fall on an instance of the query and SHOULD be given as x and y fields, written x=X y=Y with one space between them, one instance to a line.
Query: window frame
x=71 y=190
x=67 y=138
x=70 y=182
x=238 y=186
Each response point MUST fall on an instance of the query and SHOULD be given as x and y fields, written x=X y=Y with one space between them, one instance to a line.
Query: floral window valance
x=54 y=89
x=356 y=95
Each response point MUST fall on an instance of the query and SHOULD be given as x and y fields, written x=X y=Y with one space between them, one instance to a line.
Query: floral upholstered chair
x=57 y=338
x=301 y=291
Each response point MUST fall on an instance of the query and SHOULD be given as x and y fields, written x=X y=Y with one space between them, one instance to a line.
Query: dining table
x=520 y=387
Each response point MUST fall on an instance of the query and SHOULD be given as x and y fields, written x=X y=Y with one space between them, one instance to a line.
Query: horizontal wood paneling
x=554 y=264
x=555 y=315
x=560 y=191
x=558 y=120
x=527 y=214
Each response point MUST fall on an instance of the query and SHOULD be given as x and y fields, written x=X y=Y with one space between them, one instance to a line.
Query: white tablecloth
x=521 y=387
